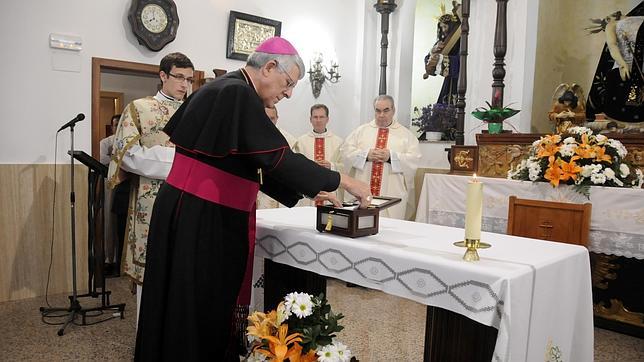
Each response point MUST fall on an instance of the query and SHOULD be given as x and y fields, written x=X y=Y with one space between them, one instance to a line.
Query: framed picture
x=246 y=32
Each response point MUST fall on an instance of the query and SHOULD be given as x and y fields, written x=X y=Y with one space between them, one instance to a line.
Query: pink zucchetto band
x=276 y=45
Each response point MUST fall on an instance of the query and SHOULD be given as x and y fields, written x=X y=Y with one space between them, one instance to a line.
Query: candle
x=473 y=209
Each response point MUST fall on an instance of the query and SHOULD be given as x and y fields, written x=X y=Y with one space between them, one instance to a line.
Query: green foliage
x=319 y=328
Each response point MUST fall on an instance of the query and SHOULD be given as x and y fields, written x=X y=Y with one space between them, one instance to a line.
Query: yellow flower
x=548 y=149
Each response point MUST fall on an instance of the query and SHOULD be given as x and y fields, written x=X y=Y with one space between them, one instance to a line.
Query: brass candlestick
x=472 y=245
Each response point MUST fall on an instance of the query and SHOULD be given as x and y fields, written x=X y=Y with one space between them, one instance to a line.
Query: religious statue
x=618 y=85
x=443 y=57
x=567 y=107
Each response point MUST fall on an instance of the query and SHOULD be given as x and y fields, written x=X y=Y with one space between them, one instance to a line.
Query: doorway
x=114 y=73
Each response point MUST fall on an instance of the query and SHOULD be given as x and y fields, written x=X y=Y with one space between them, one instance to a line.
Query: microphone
x=71 y=123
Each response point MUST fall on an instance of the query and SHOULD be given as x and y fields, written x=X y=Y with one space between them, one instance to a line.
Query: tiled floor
x=378 y=327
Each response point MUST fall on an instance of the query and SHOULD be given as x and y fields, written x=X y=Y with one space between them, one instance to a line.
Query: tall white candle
x=473 y=209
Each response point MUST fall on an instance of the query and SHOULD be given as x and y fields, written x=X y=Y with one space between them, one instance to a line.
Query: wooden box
x=350 y=220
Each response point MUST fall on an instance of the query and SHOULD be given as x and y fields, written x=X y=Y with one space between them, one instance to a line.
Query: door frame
x=101 y=64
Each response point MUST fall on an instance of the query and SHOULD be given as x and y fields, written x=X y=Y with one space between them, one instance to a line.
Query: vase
x=494 y=128
x=434 y=136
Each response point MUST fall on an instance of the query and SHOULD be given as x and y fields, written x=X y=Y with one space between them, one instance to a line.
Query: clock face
x=154 y=18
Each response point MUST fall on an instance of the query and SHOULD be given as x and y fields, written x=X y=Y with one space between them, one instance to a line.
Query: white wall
x=36 y=99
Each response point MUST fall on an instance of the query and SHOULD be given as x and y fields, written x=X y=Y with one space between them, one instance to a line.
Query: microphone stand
x=74 y=305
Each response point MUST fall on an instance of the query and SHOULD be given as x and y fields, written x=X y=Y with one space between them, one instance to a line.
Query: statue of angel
x=568 y=108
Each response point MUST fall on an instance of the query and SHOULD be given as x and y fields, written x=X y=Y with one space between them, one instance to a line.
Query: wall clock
x=154 y=22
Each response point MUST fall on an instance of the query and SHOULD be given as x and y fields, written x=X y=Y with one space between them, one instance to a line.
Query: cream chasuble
x=394 y=178
x=320 y=146
x=266 y=202
x=141 y=128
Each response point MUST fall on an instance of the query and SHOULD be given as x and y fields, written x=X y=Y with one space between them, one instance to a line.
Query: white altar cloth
x=536 y=293
x=616 y=225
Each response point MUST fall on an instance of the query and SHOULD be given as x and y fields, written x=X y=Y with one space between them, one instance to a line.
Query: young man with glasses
x=143 y=154
x=202 y=235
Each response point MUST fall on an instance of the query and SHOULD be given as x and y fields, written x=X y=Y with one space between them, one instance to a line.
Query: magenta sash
x=212 y=184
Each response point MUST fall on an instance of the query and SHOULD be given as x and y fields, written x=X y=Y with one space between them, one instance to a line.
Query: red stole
x=318 y=155
x=376 y=169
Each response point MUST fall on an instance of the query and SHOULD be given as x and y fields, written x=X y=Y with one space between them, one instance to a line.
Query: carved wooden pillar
x=462 y=73
x=500 y=46
x=384 y=7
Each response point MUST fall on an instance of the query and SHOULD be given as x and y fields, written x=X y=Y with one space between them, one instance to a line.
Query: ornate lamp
x=318 y=73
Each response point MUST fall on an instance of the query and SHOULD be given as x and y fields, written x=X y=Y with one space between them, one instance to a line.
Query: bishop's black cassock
x=203 y=219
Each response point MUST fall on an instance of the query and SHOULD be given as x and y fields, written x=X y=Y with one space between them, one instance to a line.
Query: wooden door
x=111 y=103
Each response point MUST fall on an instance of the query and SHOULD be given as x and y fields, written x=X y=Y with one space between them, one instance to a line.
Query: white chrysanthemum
x=251 y=338
x=534 y=170
x=282 y=314
x=537 y=142
x=567 y=150
x=639 y=178
x=624 y=170
x=609 y=173
x=580 y=130
x=303 y=306
x=344 y=354
x=598 y=178
x=257 y=357
x=570 y=140
x=618 y=146
x=600 y=138
x=327 y=353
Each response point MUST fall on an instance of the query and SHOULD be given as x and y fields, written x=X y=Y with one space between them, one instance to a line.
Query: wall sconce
x=318 y=73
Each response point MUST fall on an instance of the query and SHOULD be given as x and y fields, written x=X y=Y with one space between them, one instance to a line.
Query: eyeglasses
x=290 y=84
x=182 y=78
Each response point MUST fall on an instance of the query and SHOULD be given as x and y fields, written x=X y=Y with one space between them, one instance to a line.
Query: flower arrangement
x=301 y=329
x=436 y=118
x=578 y=157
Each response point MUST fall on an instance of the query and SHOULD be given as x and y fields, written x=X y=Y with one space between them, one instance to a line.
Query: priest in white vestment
x=320 y=144
x=384 y=154
x=264 y=201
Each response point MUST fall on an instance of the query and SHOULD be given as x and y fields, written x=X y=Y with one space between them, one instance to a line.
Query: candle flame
x=474 y=176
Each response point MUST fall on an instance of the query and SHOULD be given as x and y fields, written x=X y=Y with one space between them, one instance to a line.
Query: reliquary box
x=351 y=221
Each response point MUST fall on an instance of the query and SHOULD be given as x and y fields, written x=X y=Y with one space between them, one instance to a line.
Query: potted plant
x=494 y=116
x=435 y=121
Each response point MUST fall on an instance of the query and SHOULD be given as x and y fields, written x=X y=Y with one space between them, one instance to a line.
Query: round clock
x=154 y=22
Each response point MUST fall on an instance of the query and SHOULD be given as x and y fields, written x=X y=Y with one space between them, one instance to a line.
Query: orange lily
x=600 y=155
x=548 y=150
x=569 y=170
x=262 y=324
x=295 y=354
x=553 y=173
x=585 y=150
x=278 y=346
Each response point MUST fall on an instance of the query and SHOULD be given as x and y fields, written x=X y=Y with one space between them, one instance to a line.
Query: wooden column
x=462 y=74
x=384 y=7
x=500 y=46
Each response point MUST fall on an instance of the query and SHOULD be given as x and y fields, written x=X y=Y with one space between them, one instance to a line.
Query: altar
x=536 y=294
x=616 y=226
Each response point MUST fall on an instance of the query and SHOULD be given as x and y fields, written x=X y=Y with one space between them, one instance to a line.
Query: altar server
x=143 y=154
